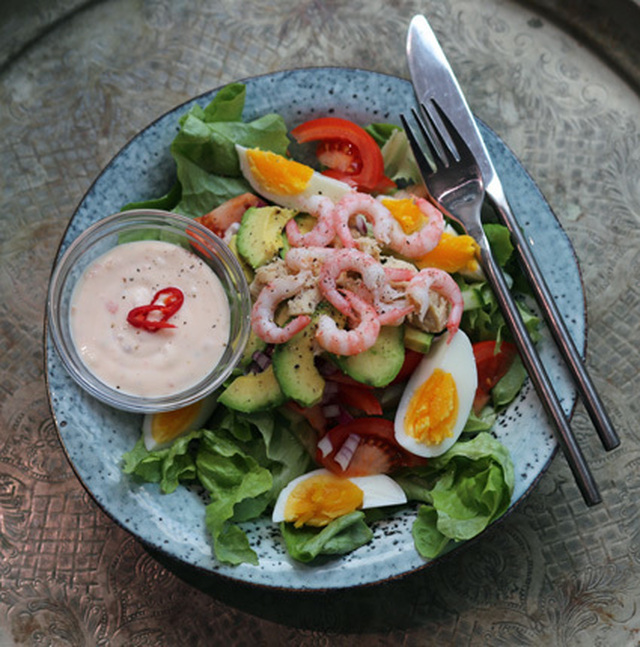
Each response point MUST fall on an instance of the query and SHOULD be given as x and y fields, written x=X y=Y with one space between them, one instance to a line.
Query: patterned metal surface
x=77 y=80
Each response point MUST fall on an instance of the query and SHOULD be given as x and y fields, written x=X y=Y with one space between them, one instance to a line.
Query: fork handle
x=564 y=341
x=537 y=373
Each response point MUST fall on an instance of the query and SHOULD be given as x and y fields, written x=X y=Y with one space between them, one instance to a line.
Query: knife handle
x=560 y=333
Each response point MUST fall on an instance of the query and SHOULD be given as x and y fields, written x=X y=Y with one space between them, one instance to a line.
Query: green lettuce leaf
x=500 y=242
x=340 y=536
x=463 y=491
x=280 y=447
x=242 y=461
x=168 y=467
x=231 y=478
x=399 y=162
x=509 y=384
x=166 y=202
x=207 y=166
x=482 y=318
x=203 y=191
x=483 y=421
x=381 y=132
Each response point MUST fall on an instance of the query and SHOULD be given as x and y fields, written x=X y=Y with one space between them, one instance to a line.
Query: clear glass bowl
x=99 y=239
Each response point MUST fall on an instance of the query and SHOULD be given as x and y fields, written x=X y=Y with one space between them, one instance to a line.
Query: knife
x=433 y=77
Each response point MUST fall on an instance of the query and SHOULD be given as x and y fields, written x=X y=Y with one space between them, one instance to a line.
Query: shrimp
x=393 y=316
x=299 y=259
x=361 y=203
x=351 y=260
x=264 y=309
x=228 y=213
x=356 y=340
x=399 y=274
x=438 y=281
x=422 y=241
x=324 y=231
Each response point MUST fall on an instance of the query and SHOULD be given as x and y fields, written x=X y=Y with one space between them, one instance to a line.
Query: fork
x=455 y=184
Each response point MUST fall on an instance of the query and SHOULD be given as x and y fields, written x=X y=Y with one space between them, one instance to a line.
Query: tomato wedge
x=363 y=446
x=313 y=415
x=361 y=398
x=491 y=367
x=351 y=154
x=411 y=360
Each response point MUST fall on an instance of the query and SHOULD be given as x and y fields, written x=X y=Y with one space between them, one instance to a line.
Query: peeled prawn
x=438 y=281
x=353 y=341
x=422 y=241
x=264 y=309
x=299 y=259
x=361 y=203
x=352 y=260
x=323 y=232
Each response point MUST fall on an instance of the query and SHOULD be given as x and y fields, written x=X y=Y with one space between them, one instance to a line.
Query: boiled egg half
x=159 y=430
x=319 y=497
x=438 y=397
x=286 y=182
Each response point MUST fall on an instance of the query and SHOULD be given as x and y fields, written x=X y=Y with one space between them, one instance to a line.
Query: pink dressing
x=134 y=360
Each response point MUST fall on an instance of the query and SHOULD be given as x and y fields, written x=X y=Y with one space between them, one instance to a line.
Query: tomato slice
x=313 y=415
x=349 y=151
x=363 y=446
x=361 y=398
x=491 y=367
x=411 y=360
x=339 y=155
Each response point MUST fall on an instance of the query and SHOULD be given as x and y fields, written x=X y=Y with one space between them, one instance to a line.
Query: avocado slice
x=254 y=343
x=380 y=364
x=259 y=238
x=253 y=392
x=246 y=269
x=295 y=369
x=416 y=339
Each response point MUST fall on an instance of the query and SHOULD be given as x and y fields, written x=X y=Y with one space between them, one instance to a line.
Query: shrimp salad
x=378 y=359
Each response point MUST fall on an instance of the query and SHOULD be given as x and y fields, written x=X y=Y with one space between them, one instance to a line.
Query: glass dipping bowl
x=135 y=225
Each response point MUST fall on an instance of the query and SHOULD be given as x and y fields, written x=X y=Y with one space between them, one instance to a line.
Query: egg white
x=202 y=412
x=319 y=185
x=456 y=358
x=378 y=490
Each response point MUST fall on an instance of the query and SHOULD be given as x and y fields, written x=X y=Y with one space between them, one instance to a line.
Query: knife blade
x=433 y=77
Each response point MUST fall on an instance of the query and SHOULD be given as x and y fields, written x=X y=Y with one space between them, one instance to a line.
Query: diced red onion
x=331 y=410
x=231 y=230
x=325 y=367
x=361 y=224
x=261 y=359
x=344 y=417
x=325 y=446
x=330 y=389
x=346 y=452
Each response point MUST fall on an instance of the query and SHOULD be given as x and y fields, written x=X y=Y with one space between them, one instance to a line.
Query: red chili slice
x=171 y=300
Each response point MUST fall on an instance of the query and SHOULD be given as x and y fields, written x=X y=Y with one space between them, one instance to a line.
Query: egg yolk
x=433 y=409
x=167 y=425
x=320 y=499
x=407 y=213
x=277 y=174
x=452 y=254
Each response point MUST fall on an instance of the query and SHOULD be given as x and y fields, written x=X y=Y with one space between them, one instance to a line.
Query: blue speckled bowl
x=95 y=436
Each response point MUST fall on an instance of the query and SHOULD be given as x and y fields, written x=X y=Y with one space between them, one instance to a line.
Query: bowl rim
x=226 y=266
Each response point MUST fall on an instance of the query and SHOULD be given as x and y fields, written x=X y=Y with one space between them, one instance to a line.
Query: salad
x=378 y=359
